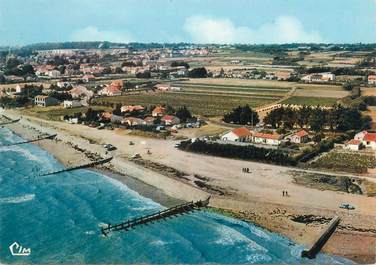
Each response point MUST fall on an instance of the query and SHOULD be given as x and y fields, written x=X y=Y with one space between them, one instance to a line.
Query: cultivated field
x=348 y=162
x=310 y=101
x=200 y=103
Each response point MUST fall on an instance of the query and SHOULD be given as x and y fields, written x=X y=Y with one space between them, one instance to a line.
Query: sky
x=199 y=21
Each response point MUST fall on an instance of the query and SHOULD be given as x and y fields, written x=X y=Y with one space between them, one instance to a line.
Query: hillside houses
x=299 y=137
x=158 y=111
x=131 y=108
x=319 y=77
x=371 y=80
x=45 y=101
x=243 y=134
x=367 y=139
x=169 y=120
x=109 y=91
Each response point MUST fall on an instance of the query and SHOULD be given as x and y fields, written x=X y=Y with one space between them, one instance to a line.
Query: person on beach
x=283 y=193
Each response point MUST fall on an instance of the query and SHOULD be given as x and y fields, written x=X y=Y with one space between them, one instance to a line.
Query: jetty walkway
x=161 y=215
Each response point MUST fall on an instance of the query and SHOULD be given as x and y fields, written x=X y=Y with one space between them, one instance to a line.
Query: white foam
x=17 y=199
x=230 y=236
x=160 y=242
x=258 y=258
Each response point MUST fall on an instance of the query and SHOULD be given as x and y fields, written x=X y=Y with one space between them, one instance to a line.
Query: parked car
x=347 y=206
x=109 y=147
x=137 y=155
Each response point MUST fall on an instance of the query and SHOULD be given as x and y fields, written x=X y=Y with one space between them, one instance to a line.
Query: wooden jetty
x=320 y=242
x=50 y=136
x=91 y=164
x=143 y=220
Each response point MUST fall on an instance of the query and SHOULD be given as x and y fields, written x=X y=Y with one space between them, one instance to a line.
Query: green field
x=310 y=101
x=200 y=103
x=348 y=162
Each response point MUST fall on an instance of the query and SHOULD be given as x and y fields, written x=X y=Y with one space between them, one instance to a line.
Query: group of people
x=246 y=170
x=285 y=193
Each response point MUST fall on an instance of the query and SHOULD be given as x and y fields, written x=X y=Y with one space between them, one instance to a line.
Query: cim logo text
x=18 y=250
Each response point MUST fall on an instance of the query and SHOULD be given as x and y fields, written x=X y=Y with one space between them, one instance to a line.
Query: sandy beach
x=169 y=175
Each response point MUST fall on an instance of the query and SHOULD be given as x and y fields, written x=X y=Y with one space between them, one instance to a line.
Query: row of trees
x=242 y=115
x=338 y=118
x=248 y=152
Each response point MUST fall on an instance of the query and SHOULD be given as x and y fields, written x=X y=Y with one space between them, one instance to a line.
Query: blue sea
x=58 y=217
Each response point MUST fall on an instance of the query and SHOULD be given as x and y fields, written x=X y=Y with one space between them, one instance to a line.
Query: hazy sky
x=201 y=21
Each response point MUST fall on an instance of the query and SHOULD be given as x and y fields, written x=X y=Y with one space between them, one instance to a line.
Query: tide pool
x=58 y=217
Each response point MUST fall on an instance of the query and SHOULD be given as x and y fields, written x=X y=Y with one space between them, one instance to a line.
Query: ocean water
x=58 y=217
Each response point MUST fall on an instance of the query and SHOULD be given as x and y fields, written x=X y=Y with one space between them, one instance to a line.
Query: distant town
x=239 y=122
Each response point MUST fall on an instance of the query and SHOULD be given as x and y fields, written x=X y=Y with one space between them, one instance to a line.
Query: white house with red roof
x=109 y=91
x=299 y=137
x=158 y=111
x=170 y=120
x=372 y=80
x=131 y=108
x=368 y=139
x=267 y=138
x=353 y=145
x=241 y=134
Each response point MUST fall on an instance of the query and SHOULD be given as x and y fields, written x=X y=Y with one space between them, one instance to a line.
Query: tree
x=317 y=119
x=179 y=63
x=347 y=86
x=242 y=115
x=183 y=114
x=117 y=110
x=302 y=116
x=198 y=72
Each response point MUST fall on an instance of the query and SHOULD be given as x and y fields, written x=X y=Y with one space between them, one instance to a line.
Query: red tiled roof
x=354 y=142
x=158 y=110
x=168 y=117
x=301 y=133
x=243 y=131
x=372 y=77
x=370 y=137
x=267 y=136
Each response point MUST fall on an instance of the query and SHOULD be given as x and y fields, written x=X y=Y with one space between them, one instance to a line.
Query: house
x=63 y=84
x=149 y=120
x=109 y=91
x=71 y=104
x=106 y=116
x=300 y=137
x=267 y=138
x=170 y=120
x=118 y=84
x=88 y=78
x=81 y=91
x=242 y=134
x=54 y=73
x=162 y=87
x=319 y=77
x=132 y=121
x=131 y=108
x=368 y=139
x=282 y=75
x=45 y=101
x=372 y=80
x=167 y=87
x=353 y=145
x=158 y=111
